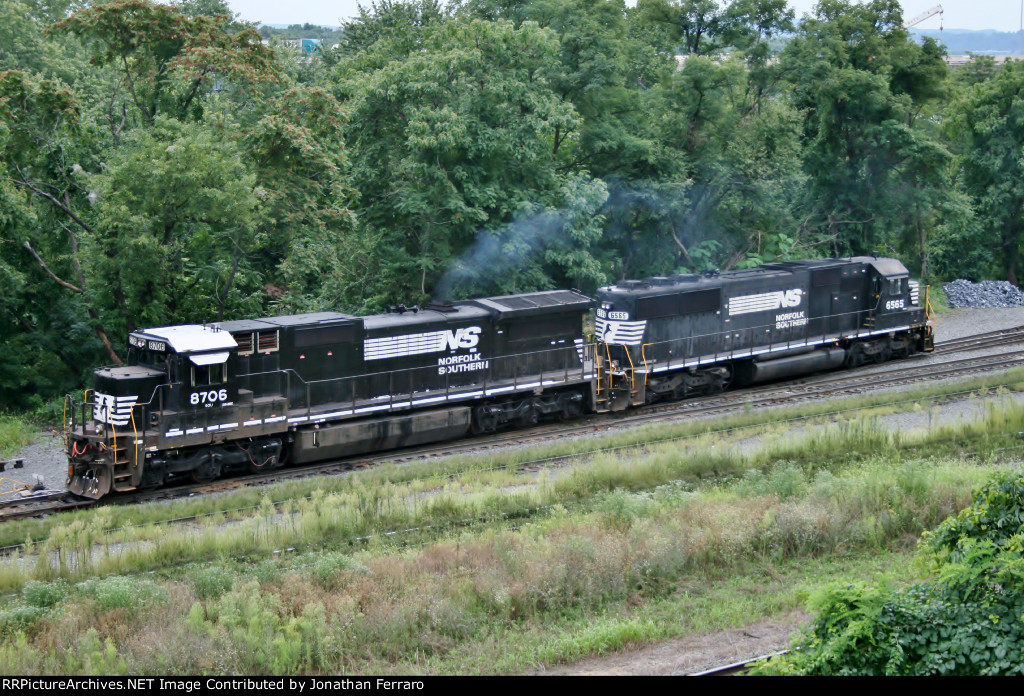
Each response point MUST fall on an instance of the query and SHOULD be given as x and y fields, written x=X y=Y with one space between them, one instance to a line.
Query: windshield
x=147 y=358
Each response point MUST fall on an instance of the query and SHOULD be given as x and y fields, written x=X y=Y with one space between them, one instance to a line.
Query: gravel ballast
x=988 y=293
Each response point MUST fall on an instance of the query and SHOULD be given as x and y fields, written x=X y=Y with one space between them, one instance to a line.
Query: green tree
x=297 y=147
x=731 y=201
x=400 y=24
x=704 y=27
x=450 y=140
x=39 y=127
x=861 y=83
x=988 y=125
x=175 y=220
x=167 y=59
x=686 y=27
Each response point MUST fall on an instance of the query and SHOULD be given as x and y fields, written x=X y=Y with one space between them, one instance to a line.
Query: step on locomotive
x=195 y=401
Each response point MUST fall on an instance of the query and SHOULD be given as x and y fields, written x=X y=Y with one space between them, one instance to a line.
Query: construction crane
x=937 y=10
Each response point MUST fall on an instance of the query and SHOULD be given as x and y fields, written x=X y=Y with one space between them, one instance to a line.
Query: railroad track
x=919 y=369
x=736 y=668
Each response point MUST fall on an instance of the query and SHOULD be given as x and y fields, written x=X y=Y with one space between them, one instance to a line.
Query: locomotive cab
x=897 y=301
x=174 y=372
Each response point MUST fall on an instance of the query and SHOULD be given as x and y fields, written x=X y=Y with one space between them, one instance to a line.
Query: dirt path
x=690 y=654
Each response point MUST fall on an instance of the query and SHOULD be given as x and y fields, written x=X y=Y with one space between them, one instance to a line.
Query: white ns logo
x=466 y=337
x=791 y=298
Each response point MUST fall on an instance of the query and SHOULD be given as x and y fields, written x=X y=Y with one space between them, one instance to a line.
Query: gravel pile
x=987 y=293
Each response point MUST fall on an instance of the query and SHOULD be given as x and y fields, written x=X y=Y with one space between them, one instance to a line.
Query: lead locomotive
x=194 y=401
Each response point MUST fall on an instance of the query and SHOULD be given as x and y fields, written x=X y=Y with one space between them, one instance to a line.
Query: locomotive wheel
x=570 y=412
x=206 y=472
x=883 y=355
x=855 y=355
x=528 y=419
x=726 y=381
x=480 y=423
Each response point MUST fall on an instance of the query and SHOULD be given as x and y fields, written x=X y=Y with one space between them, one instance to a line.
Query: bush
x=968 y=621
x=211 y=583
x=327 y=567
x=119 y=592
x=45 y=594
x=19 y=619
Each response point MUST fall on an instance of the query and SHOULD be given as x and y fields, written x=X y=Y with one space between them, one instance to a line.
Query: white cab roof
x=190 y=338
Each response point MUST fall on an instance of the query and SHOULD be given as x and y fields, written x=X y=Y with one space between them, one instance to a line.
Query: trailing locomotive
x=195 y=401
x=670 y=337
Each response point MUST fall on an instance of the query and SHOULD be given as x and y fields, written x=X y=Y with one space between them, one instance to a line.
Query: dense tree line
x=159 y=164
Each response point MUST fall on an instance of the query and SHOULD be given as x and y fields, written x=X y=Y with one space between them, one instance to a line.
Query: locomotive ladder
x=605 y=394
x=121 y=459
x=602 y=392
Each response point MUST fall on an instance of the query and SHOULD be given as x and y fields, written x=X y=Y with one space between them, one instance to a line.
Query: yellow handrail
x=85 y=403
x=632 y=370
x=64 y=422
x=611 y=375
x=135 y=432
x=643 y=356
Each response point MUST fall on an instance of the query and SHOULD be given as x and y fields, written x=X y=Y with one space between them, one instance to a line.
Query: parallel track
x=736 y=668
x=847 y=383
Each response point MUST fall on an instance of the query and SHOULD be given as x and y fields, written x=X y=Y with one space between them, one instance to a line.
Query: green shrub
x=100 y=657
x=968 y=620
x=211 y=583
x=15 y=433
x=266 y=639
x=45 y=594
x=621 y=508
x=784 y=480
x=120 y=592
x=19 y=619
x=327 y=567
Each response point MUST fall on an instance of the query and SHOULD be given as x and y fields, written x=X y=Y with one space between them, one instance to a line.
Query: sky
x=1001 y=15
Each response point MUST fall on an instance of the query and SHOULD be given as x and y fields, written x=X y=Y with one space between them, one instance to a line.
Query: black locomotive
x=255 y=394
x=670 y=337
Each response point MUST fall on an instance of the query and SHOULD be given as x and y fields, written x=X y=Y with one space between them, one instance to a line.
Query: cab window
x=206 y=375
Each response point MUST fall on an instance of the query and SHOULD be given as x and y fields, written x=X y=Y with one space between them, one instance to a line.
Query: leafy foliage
x=965 y=620
x=989 y=124
x=167 y=58
x=451 y=139
x=159 y=164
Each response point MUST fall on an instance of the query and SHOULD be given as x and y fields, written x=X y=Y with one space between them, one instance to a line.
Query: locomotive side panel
x=251 y=393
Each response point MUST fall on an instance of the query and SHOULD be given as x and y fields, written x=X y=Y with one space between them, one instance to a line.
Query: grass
x=707 y=604
x=485 y=572
x=15 y=433
x=497 y=469
x=359 y=509
x=581 y=576
x=628 y=568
